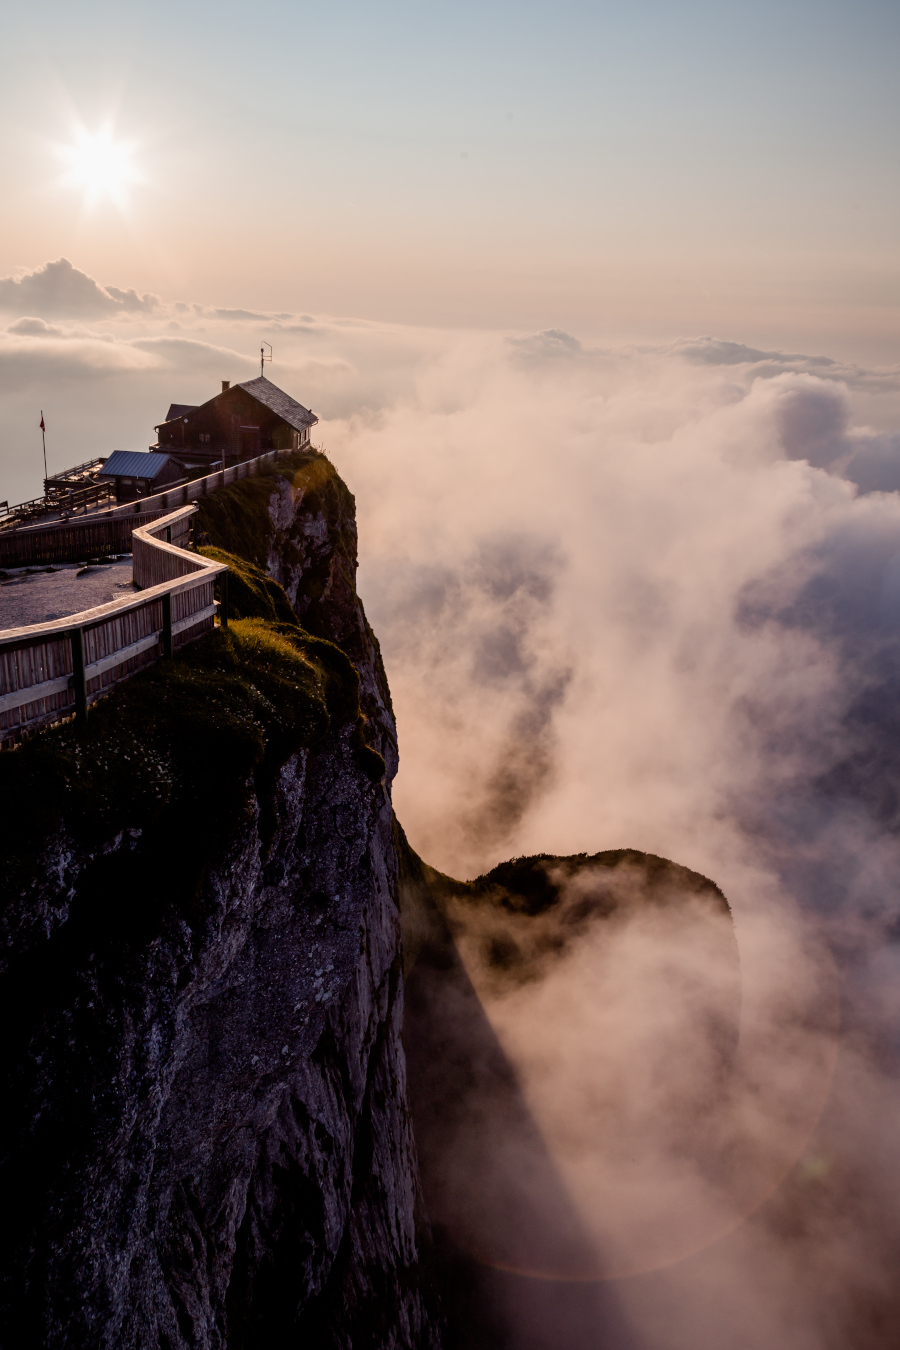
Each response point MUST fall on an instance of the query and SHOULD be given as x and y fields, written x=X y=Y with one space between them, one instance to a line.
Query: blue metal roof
x=133 y=464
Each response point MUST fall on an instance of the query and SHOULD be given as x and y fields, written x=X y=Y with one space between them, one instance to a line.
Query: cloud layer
x=627 y=597
x=632 y=600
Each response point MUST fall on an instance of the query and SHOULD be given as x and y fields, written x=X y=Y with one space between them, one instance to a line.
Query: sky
x=598 y=309
x=660 y=168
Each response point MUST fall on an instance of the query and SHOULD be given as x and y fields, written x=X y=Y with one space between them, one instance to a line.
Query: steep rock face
x=502 y=1185
x=313 y=555
x=208 y=1143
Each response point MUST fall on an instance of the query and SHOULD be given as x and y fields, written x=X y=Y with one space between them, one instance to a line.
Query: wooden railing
x=50 y=671
x=199 y=487
x=110 y=530
x=66 y=477
x=72 y=541
x=65 y=502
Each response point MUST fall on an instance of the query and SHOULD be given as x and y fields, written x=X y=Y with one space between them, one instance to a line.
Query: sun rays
x=100 y=166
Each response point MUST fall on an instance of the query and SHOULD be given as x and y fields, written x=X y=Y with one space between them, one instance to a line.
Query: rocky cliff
x=207 y=1141
x=210 y=922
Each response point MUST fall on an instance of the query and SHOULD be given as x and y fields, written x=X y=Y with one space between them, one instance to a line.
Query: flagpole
x=44 y=439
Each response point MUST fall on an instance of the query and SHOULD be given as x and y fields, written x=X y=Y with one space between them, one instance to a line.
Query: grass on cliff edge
x=179 y=746
x=236 y=518
x=252 y=594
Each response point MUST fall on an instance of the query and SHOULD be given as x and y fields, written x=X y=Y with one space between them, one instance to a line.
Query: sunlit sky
x=593 y=288
x=665 y=166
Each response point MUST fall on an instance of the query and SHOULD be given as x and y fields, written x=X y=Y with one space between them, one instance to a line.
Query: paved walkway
x=36 y=595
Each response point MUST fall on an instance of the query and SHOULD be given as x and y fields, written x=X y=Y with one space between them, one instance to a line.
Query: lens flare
x=100 y=166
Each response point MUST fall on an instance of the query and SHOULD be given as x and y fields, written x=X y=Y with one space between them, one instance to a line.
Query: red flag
x=43 y=428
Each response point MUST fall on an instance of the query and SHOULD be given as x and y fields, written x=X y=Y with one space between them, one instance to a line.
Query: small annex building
x=241 y=422
x=140 y=473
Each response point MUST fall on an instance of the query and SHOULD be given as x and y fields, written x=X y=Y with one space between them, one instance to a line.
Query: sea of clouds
x=641 y=597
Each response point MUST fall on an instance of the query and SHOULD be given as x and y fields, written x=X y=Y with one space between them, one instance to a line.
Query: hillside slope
x=214 y=933
x=207 y=1141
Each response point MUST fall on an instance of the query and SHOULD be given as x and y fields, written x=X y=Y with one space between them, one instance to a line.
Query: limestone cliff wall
x=207 y=1142
x=312 y=554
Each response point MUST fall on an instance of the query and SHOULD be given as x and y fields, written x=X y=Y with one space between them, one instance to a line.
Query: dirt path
x=36 y=595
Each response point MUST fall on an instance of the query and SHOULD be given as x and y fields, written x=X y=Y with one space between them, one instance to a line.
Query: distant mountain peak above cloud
x=712 y=351
x=553 y=343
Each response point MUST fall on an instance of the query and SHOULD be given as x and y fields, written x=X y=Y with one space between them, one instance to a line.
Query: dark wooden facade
x=237 y=425
x=130 y=488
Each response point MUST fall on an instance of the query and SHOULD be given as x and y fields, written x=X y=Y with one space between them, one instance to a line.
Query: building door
x=249 y=442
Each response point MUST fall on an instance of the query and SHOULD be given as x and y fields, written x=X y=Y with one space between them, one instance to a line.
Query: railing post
x=223 y=599
x=168 y=534
x=79 y=682
x=167 y=625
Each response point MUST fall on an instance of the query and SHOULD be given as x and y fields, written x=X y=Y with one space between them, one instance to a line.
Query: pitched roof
x=133 y=464
x=277 y=401
x=179 y=410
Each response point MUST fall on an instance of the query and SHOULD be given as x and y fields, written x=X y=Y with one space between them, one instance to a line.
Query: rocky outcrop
x=313 y=554
x=500 y=1204
x=207 y=1142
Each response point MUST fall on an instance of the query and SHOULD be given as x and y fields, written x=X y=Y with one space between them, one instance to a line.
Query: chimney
x=226 y=384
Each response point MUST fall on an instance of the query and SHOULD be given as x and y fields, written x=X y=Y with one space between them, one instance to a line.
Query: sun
x=100 y=166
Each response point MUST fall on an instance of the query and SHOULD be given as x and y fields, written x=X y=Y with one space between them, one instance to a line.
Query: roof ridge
x=278 y=402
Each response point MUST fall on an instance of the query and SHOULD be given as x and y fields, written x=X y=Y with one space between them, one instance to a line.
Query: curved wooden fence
x=110 y=531
x=72 y=541
x=50 y=671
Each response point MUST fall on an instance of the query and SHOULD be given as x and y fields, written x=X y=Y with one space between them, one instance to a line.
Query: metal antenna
x=263 y=358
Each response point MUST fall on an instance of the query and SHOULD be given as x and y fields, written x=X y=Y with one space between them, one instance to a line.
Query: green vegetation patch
x=177 y=751
x=236 y=518
x=252 y=593
x=325 y=492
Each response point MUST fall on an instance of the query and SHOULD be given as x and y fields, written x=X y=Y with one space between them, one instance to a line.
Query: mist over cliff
x=637 y=602
x=207 y=1140
x=213 y=922
x=648 y=599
